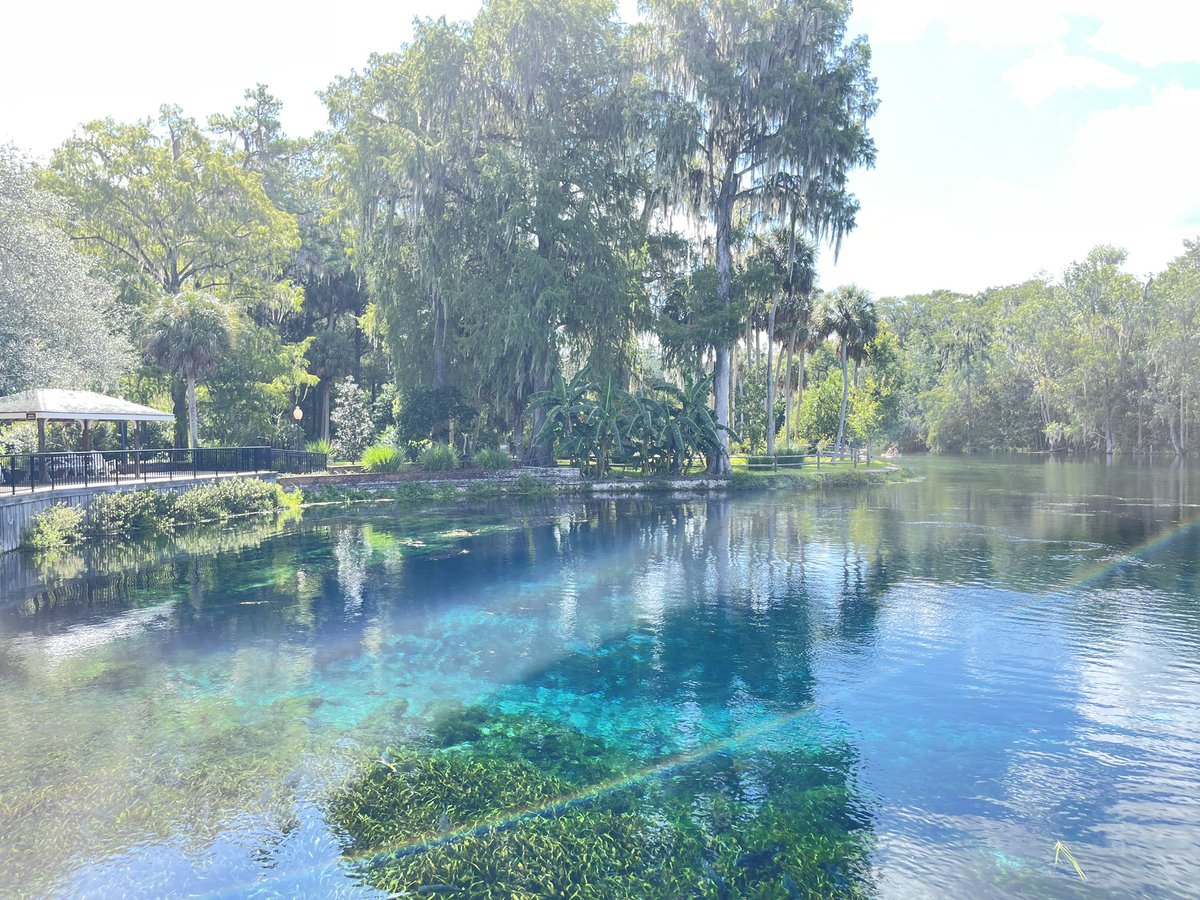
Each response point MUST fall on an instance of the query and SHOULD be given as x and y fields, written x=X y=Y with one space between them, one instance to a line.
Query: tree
x=187 y=335
x=779 y=104
x=781 y=270
x=850 y=316
x=167 y=209
x=497 y=220
x=1174 y=337
x=59 y=323
x=353 y=429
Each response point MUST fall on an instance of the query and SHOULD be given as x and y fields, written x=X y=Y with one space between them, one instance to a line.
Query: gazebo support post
x=87 y=435
x=41 y=423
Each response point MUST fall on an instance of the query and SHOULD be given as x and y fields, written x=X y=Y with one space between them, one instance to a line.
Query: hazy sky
x=1011 y=137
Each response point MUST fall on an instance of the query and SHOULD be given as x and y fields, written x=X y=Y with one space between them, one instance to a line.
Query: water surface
x=952 y=676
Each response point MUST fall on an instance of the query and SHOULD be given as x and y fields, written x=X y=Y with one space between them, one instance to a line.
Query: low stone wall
x=17 y=511
x=367 y=481
x=679 y=487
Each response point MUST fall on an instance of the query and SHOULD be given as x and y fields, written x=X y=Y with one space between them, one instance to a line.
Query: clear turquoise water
x=999 y=657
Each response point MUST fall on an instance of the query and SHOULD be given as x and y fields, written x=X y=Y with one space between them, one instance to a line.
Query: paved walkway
x=154 y=480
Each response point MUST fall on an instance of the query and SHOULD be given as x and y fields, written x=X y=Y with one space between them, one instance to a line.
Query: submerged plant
x=522 y=806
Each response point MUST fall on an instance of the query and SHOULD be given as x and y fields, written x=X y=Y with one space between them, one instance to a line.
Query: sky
x=1011 y=137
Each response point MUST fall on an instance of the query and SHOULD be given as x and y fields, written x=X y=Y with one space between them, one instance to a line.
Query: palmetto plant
x=188 y=335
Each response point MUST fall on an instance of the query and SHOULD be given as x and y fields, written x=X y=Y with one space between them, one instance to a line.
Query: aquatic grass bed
x=499 y=805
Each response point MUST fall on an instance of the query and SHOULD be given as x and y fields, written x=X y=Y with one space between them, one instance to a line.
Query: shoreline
x=346 y=489
x=349 y=488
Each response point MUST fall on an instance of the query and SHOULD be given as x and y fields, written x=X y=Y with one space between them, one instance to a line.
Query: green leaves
x=162 y=204
x=660 y=429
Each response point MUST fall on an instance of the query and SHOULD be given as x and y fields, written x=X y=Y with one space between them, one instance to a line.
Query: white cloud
x=125 y=59
x=1018 y=23
x=1149 y=32
x=1123 y=186
x=1050 y=70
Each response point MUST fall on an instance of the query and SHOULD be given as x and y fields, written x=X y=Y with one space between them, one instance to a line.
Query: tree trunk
x=440 y=366
x=720 y=465
x=193 y=424
x=789 y=415
x=540 y=454
x=180 y=409
x=845 y=396
x=771 y=381
x=800 y=384
x=325 y=392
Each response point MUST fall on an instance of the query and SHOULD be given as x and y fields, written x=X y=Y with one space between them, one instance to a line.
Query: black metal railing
x=33 y=471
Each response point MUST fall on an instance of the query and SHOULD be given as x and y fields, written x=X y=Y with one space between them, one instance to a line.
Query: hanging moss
x=523 y=806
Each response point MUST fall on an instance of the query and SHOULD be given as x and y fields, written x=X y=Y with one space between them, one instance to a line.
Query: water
x=915 y=690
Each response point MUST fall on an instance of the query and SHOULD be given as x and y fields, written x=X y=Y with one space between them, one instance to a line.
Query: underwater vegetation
x=498 y=805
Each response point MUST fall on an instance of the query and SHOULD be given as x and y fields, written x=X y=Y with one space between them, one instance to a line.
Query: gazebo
x=52 y=405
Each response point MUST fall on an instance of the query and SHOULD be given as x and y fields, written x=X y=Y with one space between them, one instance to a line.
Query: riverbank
x=149 y=511
x=541 y=482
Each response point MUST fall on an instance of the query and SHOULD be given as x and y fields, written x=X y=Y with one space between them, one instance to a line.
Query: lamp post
x=297 y=415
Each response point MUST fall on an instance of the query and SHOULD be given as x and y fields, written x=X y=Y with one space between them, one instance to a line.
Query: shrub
x=221 y=499
x=493 y=459
x=320 y=446
x=130 y=512
x=439 y=458
x=56 y=526
x=528 y=486
x=382 y=458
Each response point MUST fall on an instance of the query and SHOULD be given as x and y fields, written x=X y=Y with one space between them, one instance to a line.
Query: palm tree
x=777 y=96
x=792 y=317
x=188 y=334
x=849 y=313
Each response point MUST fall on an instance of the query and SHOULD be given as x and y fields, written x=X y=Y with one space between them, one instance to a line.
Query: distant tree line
x=544 y=197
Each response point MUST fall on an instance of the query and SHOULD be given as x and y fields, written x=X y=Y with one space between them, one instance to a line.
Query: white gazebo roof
x=77 y=405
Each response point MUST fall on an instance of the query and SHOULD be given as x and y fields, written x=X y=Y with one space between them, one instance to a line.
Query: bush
x=382 y=458
x=221 y=499
x=56 y=526
x=439 y=458
x=130 y=512
x=493 y=459
x=320 y=446
x=528 y=486
x=353 y=429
